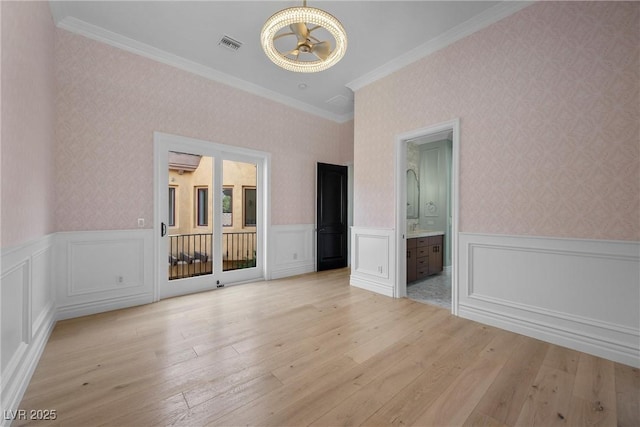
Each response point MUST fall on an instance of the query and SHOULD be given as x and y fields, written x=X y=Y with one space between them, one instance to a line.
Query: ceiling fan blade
x=282 y=35
x=321 y=50
x=295 y=52
x=300 y=30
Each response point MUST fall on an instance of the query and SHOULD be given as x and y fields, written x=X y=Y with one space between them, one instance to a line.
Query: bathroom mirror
x=413 y=195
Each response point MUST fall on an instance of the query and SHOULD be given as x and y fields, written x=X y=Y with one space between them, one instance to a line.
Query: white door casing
x=163 y=143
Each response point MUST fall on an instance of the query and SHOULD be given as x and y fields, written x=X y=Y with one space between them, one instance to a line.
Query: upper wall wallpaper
x=28 y=122
x=109 y=104
x=548 y=101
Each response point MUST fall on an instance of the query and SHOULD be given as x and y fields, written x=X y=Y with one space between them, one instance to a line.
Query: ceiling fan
x=305 y=53
x=306 y=42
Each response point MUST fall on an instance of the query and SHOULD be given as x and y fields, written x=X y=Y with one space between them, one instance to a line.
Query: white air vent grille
x=229 y=43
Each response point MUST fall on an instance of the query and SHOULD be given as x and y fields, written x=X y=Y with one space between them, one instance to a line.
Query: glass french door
x=189 y=226
x=209 y=203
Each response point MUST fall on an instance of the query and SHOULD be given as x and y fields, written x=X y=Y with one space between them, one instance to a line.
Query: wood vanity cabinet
x=411 y=260
x=424 y=257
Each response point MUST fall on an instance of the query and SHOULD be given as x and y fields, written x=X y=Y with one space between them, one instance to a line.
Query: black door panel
x=332 y=216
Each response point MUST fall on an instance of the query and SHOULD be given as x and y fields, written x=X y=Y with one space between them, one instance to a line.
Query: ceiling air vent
x=229 y=43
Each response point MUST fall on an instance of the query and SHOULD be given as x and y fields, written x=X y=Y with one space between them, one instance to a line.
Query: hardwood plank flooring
x=311 y=350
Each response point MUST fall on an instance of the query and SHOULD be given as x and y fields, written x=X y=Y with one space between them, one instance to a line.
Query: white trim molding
x=373 y=258
x=27 y=304
x=99 y=271
x=478 y=22
x=578 y=293
x=293 y=250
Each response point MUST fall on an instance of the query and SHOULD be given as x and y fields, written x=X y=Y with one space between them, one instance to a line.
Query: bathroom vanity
x=424 y=254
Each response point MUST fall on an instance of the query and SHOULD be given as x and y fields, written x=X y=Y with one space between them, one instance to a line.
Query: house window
x=227 y=207
x=202 y=198
x=249 y=211
x=172 y=206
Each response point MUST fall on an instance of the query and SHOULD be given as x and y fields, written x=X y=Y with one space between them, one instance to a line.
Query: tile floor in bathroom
x=434 y=290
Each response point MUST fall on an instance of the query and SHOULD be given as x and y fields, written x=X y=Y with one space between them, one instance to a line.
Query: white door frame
x=400 y=288
x=162 y=144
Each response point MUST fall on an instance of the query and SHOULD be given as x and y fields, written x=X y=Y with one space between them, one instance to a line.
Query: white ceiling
x=383 y=36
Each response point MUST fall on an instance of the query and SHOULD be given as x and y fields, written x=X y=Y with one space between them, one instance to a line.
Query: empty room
x=288 y=213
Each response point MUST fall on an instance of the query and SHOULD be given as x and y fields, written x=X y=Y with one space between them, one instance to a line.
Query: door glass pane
x=239 y=243
x=227 y=207
x=172 y=206
x=202 y=197
x=190 y=215
x=249 y=207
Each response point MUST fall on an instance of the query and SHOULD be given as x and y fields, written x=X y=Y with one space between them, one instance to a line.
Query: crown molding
x=478 y=22
x=100 y=34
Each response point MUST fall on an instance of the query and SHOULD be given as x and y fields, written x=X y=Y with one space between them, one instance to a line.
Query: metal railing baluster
x=186 y=249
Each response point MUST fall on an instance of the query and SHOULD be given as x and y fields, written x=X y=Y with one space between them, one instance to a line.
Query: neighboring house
x=548 y=102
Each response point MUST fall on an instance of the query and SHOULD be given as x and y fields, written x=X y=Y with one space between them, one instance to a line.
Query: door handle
x=163 y=229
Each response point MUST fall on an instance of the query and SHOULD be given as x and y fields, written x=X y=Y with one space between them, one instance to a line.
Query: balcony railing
x=239 y=249
x=191 y=255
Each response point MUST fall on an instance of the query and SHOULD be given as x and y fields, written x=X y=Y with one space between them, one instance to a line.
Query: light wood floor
x=311 y=350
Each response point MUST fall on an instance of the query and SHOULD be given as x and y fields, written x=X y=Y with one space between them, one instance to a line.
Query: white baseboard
x=563 y=336
x=71 y=311
x=581 y=294
x=370 y=284
x=28 y=314
x=292 y=250
x=279 y=273
x=18 y=380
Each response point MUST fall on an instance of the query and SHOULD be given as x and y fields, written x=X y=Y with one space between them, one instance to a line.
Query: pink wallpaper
x=109 y=104
x=28 y=115
x=549 y=102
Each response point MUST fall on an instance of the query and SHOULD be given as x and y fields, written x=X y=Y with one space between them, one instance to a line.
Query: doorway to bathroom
x=427 y=214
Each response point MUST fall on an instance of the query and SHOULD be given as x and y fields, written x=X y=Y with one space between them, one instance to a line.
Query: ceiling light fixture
x=302 y=21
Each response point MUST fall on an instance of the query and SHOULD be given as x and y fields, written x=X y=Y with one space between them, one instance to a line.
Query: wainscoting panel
x=27 y=315
x=99 y=271
x=89 y=273
x=373 y=259
x=292 y=250
x=42 y=289
x=582 y=294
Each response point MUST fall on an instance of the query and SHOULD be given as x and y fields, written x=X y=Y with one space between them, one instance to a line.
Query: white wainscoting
x=98 y=271
x=292 y=250
x=581 y=294
x=27 y=307
x=373 y=259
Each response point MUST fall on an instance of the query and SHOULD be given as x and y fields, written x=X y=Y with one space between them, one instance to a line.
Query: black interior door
x=332 y=217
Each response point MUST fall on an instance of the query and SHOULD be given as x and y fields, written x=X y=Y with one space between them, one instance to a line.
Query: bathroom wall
x=435 y=191
x=413 y=163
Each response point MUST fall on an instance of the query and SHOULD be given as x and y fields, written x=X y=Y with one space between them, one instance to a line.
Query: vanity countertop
x=423 y=233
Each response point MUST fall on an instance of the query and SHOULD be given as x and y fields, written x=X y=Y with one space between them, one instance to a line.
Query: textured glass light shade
x=307 y=15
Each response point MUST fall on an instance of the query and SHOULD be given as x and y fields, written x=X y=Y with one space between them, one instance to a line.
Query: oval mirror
x=413 y=195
